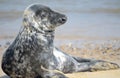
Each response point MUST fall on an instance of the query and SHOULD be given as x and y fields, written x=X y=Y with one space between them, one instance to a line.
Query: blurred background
x=91 y=31
x=87 y=19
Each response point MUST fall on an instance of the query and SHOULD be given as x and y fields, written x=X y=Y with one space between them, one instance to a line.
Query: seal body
x=33 y=55
x=33 y=47
x=27 y=53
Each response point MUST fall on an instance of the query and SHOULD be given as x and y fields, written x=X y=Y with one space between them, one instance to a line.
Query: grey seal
x=33 y=54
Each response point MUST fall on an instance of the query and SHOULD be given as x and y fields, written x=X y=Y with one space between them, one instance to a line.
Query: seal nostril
x=62 y=20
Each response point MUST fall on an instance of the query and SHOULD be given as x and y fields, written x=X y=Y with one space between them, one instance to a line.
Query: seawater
x=87 y=19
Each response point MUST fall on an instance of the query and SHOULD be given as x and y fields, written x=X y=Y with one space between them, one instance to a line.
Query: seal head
x=42 y=18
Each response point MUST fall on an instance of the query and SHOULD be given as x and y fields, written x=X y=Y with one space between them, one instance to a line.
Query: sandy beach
x=92 y=30
x=100 y=74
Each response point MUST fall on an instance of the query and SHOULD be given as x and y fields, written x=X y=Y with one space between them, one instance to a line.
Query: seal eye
x=43 y=14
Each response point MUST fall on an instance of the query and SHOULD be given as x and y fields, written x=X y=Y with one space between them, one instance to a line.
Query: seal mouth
x=49 y=31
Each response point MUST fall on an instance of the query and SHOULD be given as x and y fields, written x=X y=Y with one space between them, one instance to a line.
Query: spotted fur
x=33 y=55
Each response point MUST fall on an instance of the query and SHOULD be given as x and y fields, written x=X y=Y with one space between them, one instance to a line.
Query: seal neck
x=38 y=39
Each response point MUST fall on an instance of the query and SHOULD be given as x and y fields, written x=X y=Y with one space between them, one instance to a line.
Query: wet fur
x=33 y=55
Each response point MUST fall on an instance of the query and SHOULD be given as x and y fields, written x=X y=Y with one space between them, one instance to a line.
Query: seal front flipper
x=47 y=73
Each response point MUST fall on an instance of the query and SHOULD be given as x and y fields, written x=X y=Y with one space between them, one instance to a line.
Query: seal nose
x=63 y=19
